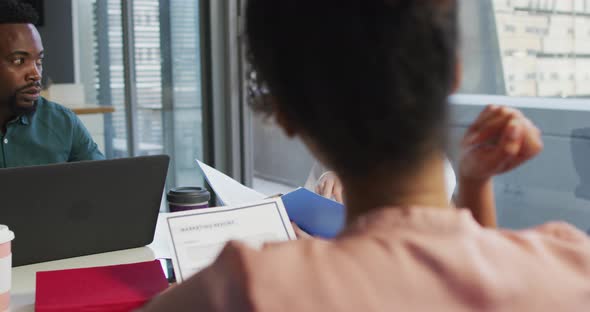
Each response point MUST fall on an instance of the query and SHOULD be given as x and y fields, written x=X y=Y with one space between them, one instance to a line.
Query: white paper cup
x=6 y=237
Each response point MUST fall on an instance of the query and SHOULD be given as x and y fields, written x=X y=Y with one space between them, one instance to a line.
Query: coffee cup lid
x=6 y=235
x=188 y=195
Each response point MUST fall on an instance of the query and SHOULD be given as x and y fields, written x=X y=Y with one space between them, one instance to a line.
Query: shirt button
x=5 y=141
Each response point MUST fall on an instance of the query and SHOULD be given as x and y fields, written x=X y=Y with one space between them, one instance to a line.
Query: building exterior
x=544 y=46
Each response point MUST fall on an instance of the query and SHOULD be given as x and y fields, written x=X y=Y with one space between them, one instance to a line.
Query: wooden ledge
x=93 y=110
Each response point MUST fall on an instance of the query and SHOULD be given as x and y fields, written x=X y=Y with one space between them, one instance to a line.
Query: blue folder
x=315 y=214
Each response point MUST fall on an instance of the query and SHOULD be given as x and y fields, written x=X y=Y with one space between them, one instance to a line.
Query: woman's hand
x=500 y=140
x=329 y=186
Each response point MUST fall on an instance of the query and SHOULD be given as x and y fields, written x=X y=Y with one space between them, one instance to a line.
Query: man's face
x=21 y=66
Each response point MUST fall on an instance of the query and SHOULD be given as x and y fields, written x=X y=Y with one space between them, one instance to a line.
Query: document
x=229 y=191
x=198 y=236
x=316 y=215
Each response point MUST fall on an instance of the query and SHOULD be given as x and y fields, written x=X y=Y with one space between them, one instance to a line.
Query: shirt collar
x=24 y=120
x=21 y=119
x=417 y=218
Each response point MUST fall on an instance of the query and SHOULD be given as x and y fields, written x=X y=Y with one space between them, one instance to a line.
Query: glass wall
x=165 y=47
x=535 y=54
x=527 y=48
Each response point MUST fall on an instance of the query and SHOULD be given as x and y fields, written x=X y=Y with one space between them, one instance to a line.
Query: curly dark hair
x=367 y=80
x=17 y=12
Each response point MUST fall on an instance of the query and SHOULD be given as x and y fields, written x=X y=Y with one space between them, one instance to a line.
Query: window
x=510 y=28
x=166 y=53
x=110 y=74
x=553 y=53
x=549 y=43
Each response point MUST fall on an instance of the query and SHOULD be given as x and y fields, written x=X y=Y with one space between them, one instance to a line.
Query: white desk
x=22 y=294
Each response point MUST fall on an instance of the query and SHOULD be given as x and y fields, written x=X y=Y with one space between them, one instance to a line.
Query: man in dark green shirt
x=33 y=131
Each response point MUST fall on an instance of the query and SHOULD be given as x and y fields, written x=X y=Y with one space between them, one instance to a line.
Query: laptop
x=74 y=209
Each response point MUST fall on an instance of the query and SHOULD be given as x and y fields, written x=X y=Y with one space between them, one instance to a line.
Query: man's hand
x=500 y=140
x=329 y=186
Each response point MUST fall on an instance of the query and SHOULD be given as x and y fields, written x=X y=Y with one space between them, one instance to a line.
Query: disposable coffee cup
x=6 y=237
x=187 y=198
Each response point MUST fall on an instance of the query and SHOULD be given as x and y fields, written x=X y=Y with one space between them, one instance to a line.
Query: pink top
x=417 y=259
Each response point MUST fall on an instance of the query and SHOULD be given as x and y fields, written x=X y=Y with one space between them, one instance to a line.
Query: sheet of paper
x=229 y=191
x=198 y=236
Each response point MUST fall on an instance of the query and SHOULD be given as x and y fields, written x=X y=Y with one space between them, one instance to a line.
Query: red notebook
x=110 y=288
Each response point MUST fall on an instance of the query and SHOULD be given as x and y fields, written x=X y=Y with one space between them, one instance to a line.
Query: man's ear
x=458 y=76
x=283 y=120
